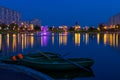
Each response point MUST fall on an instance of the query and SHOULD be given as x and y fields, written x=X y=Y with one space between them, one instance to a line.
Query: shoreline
x=27 y=32
x=15 y=72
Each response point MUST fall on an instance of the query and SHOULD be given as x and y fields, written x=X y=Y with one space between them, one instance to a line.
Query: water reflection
x=77 y=39
x=0 y=42
x=13 y=43
x=111 y=39
x=98 y=38
x=63 y=38
x=60 y=38
x=32 y=41
x=117 y=40
x=8 y=40
x=43 y=40
x=86 y=38
x=105 y=39
x=23 y=41
x=53 y=38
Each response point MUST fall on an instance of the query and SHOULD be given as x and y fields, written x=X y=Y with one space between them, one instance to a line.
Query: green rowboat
x=38 y=55
x=56 y=63
x=49 y=61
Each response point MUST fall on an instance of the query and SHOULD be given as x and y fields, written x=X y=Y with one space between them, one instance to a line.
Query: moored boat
x=41 y=55
x=56 y=63
x=38 y=55
x=50 y=61
x=8 y=60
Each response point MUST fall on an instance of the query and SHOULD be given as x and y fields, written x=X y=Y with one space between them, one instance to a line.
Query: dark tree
x=13 y=26
x=92 y=29
x=101 y=27
x=52 y=28
x=71 y=28
x=37 y=28
x=117 y=26
x=4 y=26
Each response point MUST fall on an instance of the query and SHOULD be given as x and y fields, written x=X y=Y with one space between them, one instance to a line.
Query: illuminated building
x=65 y=28
x=86 y=28
x=31 y=27
x=77 y=27
x=114 y=19
x=9 y=16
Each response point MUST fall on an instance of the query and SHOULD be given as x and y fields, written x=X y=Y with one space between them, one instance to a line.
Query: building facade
x=77 y=27
x=8 y=16
x=114 y=19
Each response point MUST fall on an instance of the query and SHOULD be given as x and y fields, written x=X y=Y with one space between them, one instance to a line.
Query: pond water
x=104 y=49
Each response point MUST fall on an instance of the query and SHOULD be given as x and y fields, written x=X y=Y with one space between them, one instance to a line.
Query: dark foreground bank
x=13 y=72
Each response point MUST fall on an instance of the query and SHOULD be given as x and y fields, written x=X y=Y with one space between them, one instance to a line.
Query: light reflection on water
x=111 y=39
x=63 y=38
x=77 y=39
x=20 y=42
x=0 y=42
x=53 y=39
x=86 y=38
x=44 y=40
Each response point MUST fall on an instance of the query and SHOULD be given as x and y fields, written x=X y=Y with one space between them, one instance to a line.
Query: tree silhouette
x=3 y=26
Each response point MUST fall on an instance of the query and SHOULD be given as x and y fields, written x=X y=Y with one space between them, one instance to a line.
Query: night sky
x=65 y=12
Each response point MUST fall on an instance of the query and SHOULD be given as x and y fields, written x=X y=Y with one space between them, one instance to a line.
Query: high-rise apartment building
x=114 y=20
x=9 y=16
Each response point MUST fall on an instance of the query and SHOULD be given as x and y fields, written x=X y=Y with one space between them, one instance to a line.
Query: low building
x=64 y=28
x=77 y=27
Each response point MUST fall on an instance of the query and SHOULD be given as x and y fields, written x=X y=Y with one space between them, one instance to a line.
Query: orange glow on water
x=105 y=39
x=62 y=38
x=14 y=42
x=98 y=38
x=77 y=39
x=86 y=38
x=53 y=38
x=0 y=42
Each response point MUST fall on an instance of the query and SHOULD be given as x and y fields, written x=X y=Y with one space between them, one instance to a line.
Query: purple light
x=44 y=33
x=44 y=30
x=44 y=41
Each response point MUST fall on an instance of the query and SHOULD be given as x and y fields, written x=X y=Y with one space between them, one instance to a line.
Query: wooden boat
x=56 y=63
x=41 y=55
x=50 y=61
x=38 y=55
x=8 y=60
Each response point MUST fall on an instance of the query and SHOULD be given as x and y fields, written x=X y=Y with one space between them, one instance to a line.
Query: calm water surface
x=104 y=49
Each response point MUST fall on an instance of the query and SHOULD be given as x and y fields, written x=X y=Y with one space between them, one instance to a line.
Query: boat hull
x=57 y=64
x=52 y=62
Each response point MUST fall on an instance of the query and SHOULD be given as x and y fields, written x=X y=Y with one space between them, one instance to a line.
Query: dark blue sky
x=65 y=12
